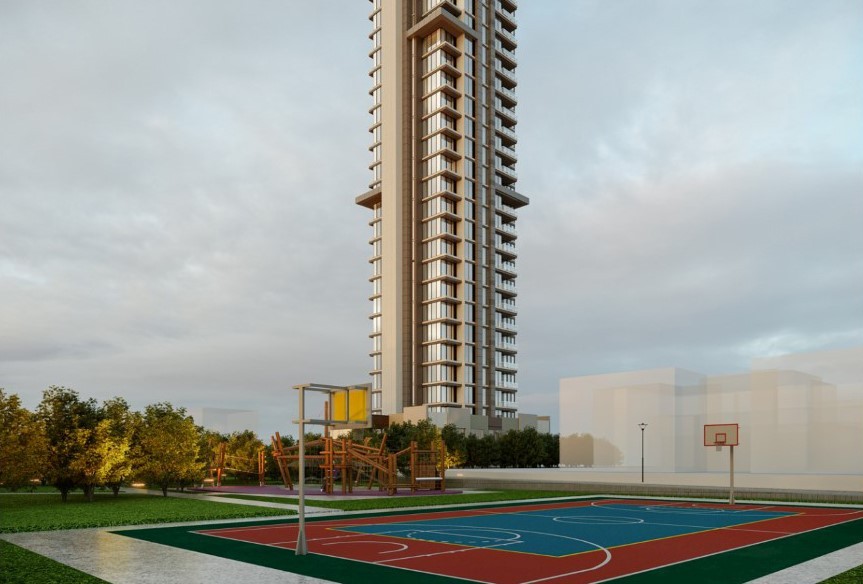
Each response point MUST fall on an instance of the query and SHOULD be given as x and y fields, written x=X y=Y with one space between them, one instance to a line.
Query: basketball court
x=576 y=540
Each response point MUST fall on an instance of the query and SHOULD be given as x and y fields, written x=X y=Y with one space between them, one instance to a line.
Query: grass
x=47 y=512
x=852 y=576
x=412 y=501
x=21 y=566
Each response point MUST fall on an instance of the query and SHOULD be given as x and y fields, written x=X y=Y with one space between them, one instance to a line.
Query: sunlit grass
x=21 y=566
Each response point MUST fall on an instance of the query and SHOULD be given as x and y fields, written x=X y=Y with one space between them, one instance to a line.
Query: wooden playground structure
x=225 y=462
x=352 y=463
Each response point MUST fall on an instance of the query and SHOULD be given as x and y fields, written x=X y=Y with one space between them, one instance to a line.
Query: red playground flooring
x=572 y=541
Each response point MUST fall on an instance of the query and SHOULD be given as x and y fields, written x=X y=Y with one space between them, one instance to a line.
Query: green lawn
x=852 y=576
x=413 y=501
x=45 y=512
x=20 y=566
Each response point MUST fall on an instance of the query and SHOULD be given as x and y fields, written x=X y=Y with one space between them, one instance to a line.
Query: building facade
x=798 y=414
x=444 y=207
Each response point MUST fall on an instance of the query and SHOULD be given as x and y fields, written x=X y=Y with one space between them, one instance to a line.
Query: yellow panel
x=359 y=411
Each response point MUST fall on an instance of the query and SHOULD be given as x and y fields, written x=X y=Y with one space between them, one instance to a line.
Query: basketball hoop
x=720 y=435
x=719 y=440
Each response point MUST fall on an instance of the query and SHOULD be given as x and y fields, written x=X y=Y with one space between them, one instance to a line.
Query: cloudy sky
x=177 y=183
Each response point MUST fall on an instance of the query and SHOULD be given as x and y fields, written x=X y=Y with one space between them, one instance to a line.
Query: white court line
x=467 y=549
x=817 y=569
x=735 y=549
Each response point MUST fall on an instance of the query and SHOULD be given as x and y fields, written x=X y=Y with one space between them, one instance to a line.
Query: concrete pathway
x=123 y=560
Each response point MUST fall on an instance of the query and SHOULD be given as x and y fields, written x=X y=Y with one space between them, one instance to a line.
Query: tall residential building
x=444 y=203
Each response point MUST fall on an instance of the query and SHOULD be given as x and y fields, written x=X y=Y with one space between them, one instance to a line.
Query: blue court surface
x=550 y=532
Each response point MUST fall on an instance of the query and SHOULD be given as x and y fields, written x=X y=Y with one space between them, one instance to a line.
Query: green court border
x=735 y=566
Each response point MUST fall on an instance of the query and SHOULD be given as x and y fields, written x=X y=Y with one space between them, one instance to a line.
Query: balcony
x=506 y=112
x=505 y=266
x=505 y=284
x=501 y=88
x=507 y=210
x=507 y=346
x=500 y=225
x=506 y=151
x=505 y=246
x=505 y=13
x=506 y=171
x=505 y=73
x=504 y=130
x=506 y=324
x=508 y=35
x=507 y=385
x=505 y=53
x=507 y=305
x=509 y=365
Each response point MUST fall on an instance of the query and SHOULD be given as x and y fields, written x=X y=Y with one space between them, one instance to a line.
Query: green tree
x=272 y=471
x=165 y=447
x=488 y=453
x=551 y=449
x=121 y=423
x=98 y=456
x=425 y=434
x=22 y=444
x=456 y=445
x=63 y=413
x=531 y=448
x=243 y=448
x=510 y=453
x=208 y=447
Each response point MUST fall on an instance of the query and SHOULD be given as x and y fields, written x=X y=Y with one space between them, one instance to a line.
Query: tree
x=121 y=423
x=99 y=455
x=272 y=470
x=22 y=444
x=63 y=413
x=456 y=445
x=510 y=454
x=208 y=447
x=551 y=448
x=165 y=447
x=242 y=451
x=488 y=452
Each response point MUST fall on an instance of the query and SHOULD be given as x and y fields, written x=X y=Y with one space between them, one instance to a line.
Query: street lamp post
x=642 y=426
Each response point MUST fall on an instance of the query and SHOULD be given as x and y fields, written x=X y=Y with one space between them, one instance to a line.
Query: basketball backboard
x=721 y=435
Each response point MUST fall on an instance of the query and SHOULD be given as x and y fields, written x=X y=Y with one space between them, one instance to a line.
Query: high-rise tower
x=444 y=206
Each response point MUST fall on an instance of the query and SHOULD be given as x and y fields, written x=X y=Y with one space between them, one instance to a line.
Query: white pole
x=731 y=492
x=302 y=549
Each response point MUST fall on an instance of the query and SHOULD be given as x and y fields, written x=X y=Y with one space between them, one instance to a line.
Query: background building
x=798 y=414
x=444 y=211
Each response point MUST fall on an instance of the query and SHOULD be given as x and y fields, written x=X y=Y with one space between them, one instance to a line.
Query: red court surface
x=573 y=541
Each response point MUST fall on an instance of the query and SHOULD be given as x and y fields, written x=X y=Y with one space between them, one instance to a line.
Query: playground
x=576 y=541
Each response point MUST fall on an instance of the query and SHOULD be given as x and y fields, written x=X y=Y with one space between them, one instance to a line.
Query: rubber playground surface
x=574 y=541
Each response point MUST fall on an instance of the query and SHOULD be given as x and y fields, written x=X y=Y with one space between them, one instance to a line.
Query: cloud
x=177 y=185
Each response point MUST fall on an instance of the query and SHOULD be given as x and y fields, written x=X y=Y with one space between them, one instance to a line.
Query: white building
x=797 y=413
